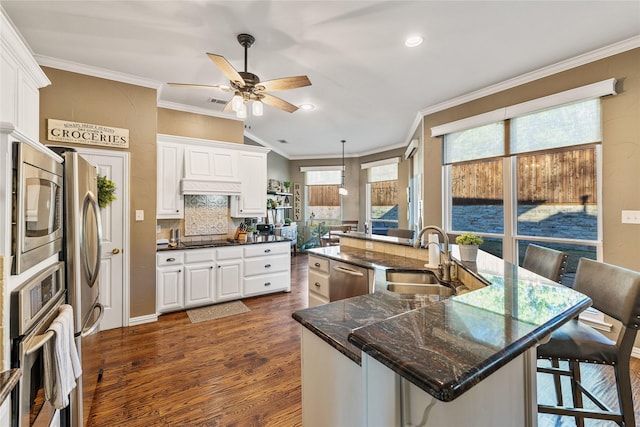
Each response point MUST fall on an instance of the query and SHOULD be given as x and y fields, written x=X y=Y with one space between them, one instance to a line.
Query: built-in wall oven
x=34 y=306
x=36 y=222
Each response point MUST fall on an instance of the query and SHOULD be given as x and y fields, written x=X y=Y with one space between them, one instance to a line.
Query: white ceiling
x=367 y=86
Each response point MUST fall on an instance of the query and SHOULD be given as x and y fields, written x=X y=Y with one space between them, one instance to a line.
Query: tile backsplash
x=205 y=218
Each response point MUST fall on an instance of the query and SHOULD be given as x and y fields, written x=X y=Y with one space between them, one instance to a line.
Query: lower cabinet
x=318 y=280
x=198 y=277
x=229 y=274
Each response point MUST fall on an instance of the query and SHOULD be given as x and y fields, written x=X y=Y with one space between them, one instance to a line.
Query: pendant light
x=342 y=190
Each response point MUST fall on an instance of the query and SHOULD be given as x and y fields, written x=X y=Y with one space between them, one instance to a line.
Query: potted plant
x=287 y=221
x=469 y=243
x=287 y=186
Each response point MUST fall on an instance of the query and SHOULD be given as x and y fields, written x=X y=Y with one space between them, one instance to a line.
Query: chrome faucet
x=445 y=258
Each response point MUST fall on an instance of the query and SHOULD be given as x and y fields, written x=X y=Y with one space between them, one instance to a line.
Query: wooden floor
x=242 y=370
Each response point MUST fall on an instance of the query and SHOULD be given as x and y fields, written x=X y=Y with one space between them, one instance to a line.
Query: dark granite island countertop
x=219 y=243
x=444 y=347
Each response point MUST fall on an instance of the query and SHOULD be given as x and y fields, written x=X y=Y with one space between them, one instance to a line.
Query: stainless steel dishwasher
x=346 y=281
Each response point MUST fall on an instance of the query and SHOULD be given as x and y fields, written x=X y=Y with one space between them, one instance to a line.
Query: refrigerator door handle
x=91 y=329
x=92 y=275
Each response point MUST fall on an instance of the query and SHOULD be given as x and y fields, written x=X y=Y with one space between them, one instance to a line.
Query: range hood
x=209 y=187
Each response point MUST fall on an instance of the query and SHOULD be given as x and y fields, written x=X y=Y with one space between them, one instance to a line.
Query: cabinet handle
x=268 y=284
x=267 y=265
x=177 y=210
x=211 y=268
x=317 y=264
x=317 y=284
x=267 y=250
x=179 y=271
x=170 y=259
x=219 y=266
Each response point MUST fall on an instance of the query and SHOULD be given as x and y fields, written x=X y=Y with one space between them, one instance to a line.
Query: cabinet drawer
x=169 y=258
x=319 y=283
x=316 y=300
x=228 y=253
x=199 y=255
x=264 y=265
x=267 y=249
x=318 y=264
x=266 y=283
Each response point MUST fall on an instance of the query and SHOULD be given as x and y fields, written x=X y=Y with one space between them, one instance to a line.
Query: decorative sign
x=86 y=133
x=297 y=201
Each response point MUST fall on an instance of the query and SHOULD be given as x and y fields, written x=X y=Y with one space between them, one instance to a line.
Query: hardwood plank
x=242 y=370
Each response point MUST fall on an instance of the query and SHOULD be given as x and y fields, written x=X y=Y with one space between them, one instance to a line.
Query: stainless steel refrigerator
x=82 y=255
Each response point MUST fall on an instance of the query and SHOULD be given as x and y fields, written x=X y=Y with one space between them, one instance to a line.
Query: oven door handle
x=91 y=329
x=39 y=341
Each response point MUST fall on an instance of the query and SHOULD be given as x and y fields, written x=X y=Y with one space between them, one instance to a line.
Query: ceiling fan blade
x=226 y=68
x=194 y=86
x=285 y=83
x=277 y=103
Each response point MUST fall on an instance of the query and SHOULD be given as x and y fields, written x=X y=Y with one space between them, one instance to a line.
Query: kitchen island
x=395 y=359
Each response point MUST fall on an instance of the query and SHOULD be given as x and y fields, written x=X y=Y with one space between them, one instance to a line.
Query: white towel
x=61 y=362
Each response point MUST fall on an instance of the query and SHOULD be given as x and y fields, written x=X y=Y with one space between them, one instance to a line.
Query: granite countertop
x=8 y=381
x=443 y=346
x=200 y=244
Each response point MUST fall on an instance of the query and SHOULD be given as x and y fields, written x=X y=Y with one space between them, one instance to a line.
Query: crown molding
x=89 y=70
x=196 y=110
x=576 y=61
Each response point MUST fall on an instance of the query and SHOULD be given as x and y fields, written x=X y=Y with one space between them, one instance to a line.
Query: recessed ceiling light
x=307 y=107
x=413 y=41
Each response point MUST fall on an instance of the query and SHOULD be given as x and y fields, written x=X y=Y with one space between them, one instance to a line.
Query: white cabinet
x=20 y=80
x=229 y=273
x=199 y=280
x=267 y=268
x=211 y=163
x=318 y=281
x=170 y=202
x=170 y=281
x=253 y=182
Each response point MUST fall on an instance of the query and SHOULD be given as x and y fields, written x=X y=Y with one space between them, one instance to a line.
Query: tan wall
x=173 y=122
x=76 y=97
x=620 y=146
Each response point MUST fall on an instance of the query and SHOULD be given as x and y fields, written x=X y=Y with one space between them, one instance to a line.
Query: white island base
x=337 y=392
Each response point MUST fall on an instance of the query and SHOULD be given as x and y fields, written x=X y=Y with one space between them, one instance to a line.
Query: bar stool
x=615 y=291
x=546 y=262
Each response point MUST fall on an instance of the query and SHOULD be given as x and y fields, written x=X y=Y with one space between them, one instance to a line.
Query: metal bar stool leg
x=556 y=382
x=625 y=393
x=574 y=367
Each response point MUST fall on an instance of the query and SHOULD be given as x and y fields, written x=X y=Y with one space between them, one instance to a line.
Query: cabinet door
x=199 y=285
x=170 y=288
x=170 y=202
x=229 y=280
x=253 y=179
x=217 y=164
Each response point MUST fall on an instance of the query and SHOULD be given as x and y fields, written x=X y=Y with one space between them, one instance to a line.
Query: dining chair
x=352 y=223
x=333 y=236
x=400 y=232
x=546 y=262
x=615 y=291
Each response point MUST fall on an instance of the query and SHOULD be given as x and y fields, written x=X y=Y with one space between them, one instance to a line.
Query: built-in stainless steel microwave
x=36 y=227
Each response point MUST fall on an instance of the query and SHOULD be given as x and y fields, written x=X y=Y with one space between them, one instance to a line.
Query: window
x=382 y=195
x=323 y=200
x=552 y=199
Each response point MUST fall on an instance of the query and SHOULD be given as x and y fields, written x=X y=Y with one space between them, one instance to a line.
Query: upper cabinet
x=20 y=80
x=203 y=167
x=170 y=202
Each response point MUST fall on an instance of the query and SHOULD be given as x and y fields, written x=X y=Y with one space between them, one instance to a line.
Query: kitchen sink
x=416 y=283
x=422 y=277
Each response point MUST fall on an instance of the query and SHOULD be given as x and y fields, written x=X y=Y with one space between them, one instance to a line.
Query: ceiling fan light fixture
x=257 y=108
x=242 y=111
x=236 y=102
x=307 y=107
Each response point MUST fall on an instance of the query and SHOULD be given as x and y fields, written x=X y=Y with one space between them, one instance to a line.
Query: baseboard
x=635 y=352
x=133 y=321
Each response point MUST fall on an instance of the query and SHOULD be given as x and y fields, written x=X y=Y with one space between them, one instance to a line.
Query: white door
x=114 y=266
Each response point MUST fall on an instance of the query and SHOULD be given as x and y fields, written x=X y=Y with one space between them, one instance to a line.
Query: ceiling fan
x=248 y=87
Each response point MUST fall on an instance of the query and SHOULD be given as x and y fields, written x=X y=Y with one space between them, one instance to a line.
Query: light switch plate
x=139 y=215
x=631 y=217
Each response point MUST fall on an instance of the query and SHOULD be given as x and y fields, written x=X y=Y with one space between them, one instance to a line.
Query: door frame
x=125 y=224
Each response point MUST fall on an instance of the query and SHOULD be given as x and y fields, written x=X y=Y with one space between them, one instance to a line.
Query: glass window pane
x=477 y=197
x=557 y=194
x=384 y=206
x=493 y=245
x=574 y=252
x=472 y=144
x=569 y=125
